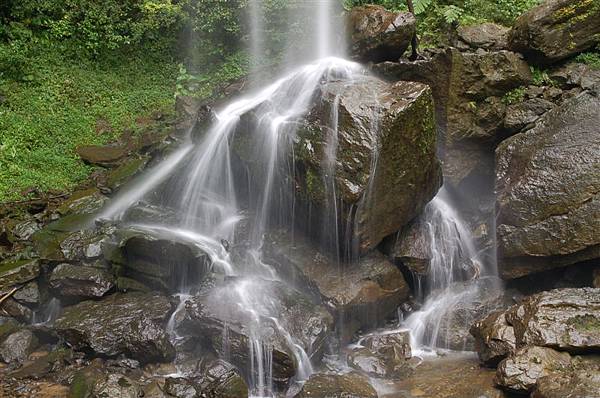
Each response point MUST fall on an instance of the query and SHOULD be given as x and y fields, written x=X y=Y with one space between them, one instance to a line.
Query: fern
x=421 y=5
x=452 y=13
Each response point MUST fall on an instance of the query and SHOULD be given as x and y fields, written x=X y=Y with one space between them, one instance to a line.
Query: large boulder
x=377 y=34
x=521 y=371
x=158 y=258
x=272 y=315
x=385 y=168
x=80 y=281
x=321 y=385
x=131 y=324
x=548 y=190
x=556 y=29
x=360 y=294
x=564 y=319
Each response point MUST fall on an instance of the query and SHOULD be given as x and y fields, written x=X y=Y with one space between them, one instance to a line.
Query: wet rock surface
x=158 y=259
x=521 y=371
x=556 y=29
x=17 y=346
x=361 y=295
x=352 y=385
x=131 y=324
x=80 y=281
x=383 y=356
x=564 y=319
x=378 y=35
x=494 y=338
x=573 y=384
x=548 y=190
x=404 y=112
x=452 y=376
x=286 y=315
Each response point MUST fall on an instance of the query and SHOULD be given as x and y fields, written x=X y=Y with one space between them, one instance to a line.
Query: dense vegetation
x=68 y=65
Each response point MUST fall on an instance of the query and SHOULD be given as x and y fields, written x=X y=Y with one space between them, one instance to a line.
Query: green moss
x=80 y=386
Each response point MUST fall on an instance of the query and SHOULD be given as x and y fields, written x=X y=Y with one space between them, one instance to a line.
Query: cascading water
x=200 y=182
x=457 y=271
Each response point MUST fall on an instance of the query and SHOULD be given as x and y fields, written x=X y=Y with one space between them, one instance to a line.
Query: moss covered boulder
x=378 y=161
x=557 y=29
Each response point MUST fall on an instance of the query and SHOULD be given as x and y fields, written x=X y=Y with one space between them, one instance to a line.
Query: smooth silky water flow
x=198 y=181
x=458 y=270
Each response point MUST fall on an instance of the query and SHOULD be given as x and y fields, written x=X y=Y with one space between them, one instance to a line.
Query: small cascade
x=457 y=273
x=48 y=313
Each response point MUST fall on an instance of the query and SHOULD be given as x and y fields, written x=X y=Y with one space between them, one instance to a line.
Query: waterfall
x=456 y=268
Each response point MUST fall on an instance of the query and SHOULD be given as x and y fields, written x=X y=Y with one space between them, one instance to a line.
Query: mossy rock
x=16 y=272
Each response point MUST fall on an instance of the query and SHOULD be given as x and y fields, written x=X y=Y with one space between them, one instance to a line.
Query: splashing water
x=454 y=260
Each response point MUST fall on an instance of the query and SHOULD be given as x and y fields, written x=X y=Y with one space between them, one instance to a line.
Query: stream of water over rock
x=226 y=213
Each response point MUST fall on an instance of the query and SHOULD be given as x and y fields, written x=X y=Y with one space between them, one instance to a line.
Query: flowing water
x=202 y=183
x=456 y=271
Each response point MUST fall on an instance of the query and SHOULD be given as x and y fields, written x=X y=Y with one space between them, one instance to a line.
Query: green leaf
x=421 y=6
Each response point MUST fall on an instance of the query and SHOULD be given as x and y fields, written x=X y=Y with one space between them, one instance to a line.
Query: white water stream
x=209 y=202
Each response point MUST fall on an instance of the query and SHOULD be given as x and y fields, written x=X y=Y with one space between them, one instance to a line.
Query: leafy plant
x=514 y=96
x=541 y=77
x=589 y=58
x=452 y=13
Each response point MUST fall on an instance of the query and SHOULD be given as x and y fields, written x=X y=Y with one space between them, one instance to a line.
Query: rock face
x=521 y=371
x=287 y=316
x=353 y=385
x=564 y=319
x=360 y=295
x=574 y=384
x=378 y=35
x=494 y=338
x=385 y=356
x=487 y=35
x=80 y=281
x=385 y=143
x=467 y=89
x=131 y=324
x=548 y=190
x=556 y=29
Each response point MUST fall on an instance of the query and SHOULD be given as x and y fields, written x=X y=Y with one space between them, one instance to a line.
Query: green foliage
x=452 y=13
x=96 y=26
x=589 y=58
x=44 y=119
x=540 y=77
x=210 y=82
x=514 y=96
x=436 y=17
